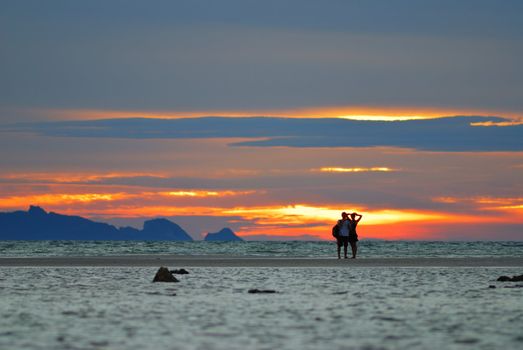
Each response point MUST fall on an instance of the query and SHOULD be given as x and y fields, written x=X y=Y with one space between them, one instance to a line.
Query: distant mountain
x=37 y=224
x=164 y=229
x=225 y=234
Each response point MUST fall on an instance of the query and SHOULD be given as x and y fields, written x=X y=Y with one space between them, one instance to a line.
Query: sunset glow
x=354 y=170
x=491 y=123
x=369 y=113
x=267 y=119
x=207 y=193
x=74 y=177
x=67 y=194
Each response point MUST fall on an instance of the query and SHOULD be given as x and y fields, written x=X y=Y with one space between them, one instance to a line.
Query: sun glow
x=206 y=193
x=371 y=113
x=300 y=213
x=355 y=170
x=388 y=118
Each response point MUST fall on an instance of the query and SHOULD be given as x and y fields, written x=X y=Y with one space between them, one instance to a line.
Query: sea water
x=320 y=249
x=210 y=308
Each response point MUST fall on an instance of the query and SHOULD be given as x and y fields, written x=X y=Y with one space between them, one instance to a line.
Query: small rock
x=257 y=291
x=517 y=278
x=492 y=286
x=180 y=272
x=164 y=275
x=510 y=279
x=515 y=286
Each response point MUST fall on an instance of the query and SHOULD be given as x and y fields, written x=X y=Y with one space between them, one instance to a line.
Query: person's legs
x=354 y=248
x=345 y=244
x=338 y=243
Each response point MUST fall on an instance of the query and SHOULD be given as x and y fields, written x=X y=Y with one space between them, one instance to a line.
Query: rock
x=180 y=272
x=492 y=286
x=164 y=275
x=164 y=230
x=510 y=279
x=515 y=286
x=224 y=235
x=517 y=278
x=261 y=291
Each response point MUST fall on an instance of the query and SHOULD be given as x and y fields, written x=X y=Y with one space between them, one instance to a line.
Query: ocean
x=210 y=308
x=317 y=249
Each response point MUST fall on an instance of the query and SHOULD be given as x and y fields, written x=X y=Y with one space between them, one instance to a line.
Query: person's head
x=353 y=216
x=344 y=215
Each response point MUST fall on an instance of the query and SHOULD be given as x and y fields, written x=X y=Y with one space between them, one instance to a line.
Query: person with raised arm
x=354 y=219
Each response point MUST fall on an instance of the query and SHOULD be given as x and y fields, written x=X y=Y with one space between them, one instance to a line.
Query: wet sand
x=255 y=261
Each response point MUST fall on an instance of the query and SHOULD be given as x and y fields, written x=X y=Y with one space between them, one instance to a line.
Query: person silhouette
x=342 y=237
x=354 y=219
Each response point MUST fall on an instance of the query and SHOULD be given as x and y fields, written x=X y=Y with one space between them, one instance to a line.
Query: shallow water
x=373 y=249
x=327 y=308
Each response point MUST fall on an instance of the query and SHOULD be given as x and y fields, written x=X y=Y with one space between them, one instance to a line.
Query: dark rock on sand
x=180 y=272
x=510 y=279
x=261 y=291
x=515 y=286
x=164 y=275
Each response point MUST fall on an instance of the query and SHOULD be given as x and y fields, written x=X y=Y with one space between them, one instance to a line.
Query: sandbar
x=254 y=261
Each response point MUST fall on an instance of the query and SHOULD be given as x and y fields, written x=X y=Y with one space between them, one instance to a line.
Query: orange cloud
x=276 y=219
x=491 y=123
x=56 y=200
x=197 y=193
x=59 y=199
x=485 y=203
x=65 y=178
x=300 y=213
x=353 y=170
x=385 y=113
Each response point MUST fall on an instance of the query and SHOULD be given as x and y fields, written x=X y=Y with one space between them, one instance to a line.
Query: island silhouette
x=225 y=234
x=37 y=224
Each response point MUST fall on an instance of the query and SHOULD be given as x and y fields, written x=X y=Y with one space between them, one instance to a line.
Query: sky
x=268 y=117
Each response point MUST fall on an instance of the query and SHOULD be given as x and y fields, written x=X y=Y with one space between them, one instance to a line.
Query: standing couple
x=345 y=232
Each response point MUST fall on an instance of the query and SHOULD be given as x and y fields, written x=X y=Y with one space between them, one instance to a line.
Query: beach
x=336 y=307
x=257 y=261
x=100 y=295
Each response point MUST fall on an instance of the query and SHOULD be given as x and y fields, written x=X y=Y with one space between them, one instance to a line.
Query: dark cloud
x=245 y=54
x=451 y=134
